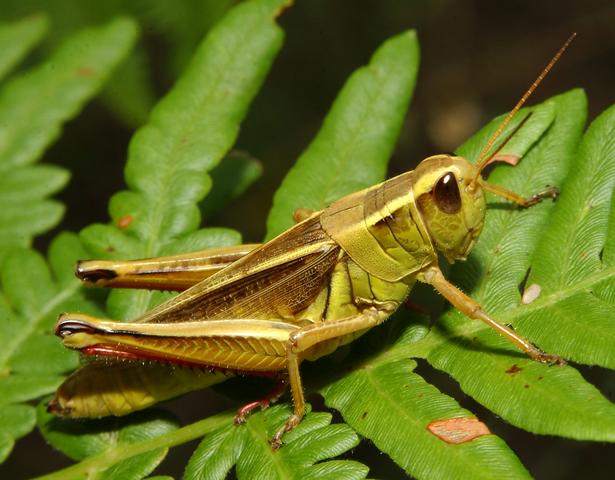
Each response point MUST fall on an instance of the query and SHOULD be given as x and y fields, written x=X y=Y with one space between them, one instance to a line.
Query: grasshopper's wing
x=239 y=319
x=102 y=388
x=273 y=282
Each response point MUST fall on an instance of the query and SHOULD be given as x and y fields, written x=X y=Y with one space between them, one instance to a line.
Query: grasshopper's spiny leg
x=296 y=390
x=308 y=336
x=473 y=309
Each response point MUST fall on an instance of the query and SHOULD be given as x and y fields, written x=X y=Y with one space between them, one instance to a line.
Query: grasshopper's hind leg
x=272 y=396
x=303 y=339
x=473 y=309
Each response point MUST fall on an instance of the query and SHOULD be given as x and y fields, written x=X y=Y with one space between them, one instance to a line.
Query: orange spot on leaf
x=514 y=369
x=458 y=430
x=85 y=71
x=124 y=222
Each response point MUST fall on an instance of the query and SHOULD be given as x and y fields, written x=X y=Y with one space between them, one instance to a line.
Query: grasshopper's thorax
x=453 y=210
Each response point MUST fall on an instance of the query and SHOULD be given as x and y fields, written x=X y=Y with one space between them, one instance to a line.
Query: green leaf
x=541 y=399
x=184 y=24
x=15 y=422
x=79 y=440
x=26 y=210
x=537 y=120
x=23 y=221
x=33 y=360
x=34 y=182
x=130 y=93
x=33 y=108
x=352 y=148
x=189 y=132
x=580 y=293
x=18 y=38
x=538 y=398
x=301 y=457
x=381 y=399
x=235 y=174
x=151 y=436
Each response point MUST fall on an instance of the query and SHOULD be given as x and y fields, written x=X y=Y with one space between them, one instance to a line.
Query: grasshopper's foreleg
x=305 y=338
x=548 y=192
x=474 y=310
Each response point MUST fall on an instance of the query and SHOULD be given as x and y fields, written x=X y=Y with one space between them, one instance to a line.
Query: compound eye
x=446 y=194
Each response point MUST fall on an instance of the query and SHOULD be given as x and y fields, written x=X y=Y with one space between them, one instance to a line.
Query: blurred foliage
x=132 y=93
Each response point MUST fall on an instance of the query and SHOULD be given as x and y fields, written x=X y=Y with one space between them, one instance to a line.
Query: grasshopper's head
x=449 y=190
x=451 y=202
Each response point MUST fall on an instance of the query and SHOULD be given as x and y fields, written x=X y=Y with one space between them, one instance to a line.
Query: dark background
x=477 y=58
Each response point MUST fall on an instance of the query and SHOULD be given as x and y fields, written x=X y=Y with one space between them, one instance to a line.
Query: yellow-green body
x=363 y=251
x=262 y=309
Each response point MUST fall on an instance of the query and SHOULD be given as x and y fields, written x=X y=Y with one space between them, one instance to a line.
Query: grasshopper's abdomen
x=350 y=290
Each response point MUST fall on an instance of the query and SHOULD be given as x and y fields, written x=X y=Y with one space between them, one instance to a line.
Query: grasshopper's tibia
x=273 y=396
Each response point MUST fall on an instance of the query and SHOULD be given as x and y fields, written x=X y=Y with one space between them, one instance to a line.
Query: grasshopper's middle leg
x=174 y=273
x=473 y=309
x=301 y=340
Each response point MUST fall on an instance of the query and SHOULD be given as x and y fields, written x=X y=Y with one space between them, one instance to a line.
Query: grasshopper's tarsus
x=292 y=422
x=547 y=358
x=549 y=192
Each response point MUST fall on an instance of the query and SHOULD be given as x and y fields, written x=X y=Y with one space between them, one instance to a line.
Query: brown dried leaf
x=458 y=430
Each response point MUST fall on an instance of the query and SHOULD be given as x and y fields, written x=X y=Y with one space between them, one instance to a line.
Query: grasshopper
x=262 y=309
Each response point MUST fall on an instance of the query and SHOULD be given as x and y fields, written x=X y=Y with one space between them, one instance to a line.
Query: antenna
x=482 y=158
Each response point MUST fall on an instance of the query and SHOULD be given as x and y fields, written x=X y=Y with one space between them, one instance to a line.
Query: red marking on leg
x=122 y=352
x=273 y=396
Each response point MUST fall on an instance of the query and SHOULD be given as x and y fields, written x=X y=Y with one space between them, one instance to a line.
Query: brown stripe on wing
x=276 y=293
x=275 y=281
